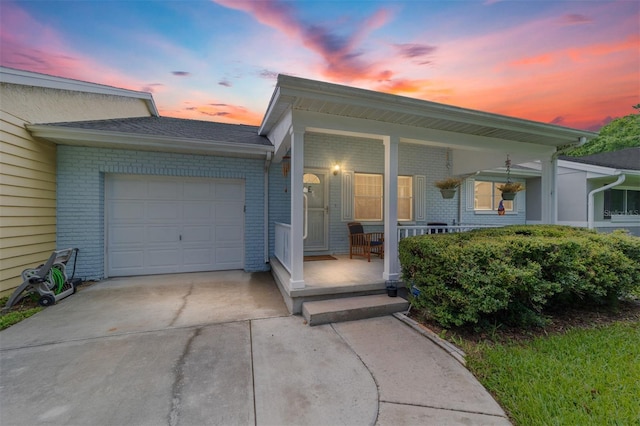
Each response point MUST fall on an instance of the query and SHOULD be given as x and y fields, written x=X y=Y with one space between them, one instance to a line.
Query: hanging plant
x=510 y=189
x=448 y=186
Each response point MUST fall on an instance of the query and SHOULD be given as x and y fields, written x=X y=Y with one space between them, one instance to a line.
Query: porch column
x=296 y=244
x=549 y=196
x=391 y=264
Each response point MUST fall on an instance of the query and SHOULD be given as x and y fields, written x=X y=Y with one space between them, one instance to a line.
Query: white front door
x=317 y=207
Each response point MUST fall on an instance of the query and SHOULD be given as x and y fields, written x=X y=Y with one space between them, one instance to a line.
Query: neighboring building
x=600 y=191
x=28 y=165
x=148 y=195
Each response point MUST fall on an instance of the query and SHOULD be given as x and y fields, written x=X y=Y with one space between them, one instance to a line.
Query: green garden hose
x=57 y=279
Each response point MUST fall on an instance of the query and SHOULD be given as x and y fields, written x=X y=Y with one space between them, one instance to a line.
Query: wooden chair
x=363 y=244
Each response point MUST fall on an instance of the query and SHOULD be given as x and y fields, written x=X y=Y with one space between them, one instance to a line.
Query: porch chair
x=363 y=244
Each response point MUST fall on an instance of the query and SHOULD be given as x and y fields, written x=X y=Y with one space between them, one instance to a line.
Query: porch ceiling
x=294 y=93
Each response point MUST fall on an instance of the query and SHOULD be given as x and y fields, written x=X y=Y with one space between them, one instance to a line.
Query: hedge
x=510 y=275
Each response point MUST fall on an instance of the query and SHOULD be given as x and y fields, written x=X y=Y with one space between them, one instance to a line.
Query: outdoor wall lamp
x=336 y=169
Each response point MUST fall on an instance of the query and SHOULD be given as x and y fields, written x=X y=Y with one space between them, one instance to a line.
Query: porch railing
x=412 y=231
x=281 y=243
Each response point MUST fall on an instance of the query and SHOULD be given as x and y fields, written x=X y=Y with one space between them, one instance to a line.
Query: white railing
x=282 y=238
x=412 y=231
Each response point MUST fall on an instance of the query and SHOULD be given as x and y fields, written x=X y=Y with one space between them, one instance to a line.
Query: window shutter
x=420 y=197
x=471 y=194
x=519 y=202
x=347 y=196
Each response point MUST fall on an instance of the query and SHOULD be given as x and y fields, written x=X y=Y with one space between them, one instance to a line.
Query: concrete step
x=352 y=308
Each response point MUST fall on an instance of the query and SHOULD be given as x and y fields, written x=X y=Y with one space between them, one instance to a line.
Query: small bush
x=511 y=275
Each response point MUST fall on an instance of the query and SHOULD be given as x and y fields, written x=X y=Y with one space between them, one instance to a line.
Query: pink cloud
x=220 y=112
x=30 y=45
x=341 y=58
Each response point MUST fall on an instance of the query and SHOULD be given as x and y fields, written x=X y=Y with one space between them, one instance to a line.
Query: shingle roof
x=626 y=159
x=167 y=127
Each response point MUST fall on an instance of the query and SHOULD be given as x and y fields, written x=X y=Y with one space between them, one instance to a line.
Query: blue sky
x=572 y=63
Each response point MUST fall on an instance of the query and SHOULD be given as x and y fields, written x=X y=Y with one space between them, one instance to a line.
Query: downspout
x=591 y=213
x=267 y=165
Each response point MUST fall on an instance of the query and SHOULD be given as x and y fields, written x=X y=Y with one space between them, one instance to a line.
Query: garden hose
x=57 y=279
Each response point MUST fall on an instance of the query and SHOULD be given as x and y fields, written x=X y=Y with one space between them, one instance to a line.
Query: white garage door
x=158 y=225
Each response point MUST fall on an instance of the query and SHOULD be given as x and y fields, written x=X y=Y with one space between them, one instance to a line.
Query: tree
x=623 y=132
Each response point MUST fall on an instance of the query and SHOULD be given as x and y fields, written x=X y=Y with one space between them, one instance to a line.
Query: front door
x=317 y=209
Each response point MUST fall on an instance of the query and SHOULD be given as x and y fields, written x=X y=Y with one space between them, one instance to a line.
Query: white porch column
x=391 y=264
x=296 y=244
x=549 y=196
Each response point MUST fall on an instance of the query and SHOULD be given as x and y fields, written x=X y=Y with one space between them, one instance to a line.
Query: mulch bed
x=560 y=322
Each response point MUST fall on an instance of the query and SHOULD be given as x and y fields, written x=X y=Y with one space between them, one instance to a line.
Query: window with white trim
x=621 y=202
x=487 y=196
x=367 y=197
x=368 y=200
x=405 y=198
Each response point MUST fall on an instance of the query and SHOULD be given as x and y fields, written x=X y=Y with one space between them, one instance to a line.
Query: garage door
x=158 y=225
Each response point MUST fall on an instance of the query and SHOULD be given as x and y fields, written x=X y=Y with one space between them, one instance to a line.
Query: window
x=368 y=197
x=487 y=197
x=405 y=198
x=621 y=201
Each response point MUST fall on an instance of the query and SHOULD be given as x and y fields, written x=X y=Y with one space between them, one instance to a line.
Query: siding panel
x=27 y=203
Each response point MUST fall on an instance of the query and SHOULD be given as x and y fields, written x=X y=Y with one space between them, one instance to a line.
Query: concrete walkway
x=220 y=349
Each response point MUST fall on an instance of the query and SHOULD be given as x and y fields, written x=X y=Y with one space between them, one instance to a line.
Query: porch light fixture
x=336 y=169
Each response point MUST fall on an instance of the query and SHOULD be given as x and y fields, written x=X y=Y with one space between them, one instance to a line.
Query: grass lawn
x=21 y=310
x=582 y=377
x=583 y=368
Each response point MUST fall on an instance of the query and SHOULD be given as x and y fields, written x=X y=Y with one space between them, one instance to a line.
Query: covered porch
x=317 y=126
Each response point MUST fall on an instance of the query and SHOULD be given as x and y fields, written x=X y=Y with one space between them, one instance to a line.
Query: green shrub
x=512 y=274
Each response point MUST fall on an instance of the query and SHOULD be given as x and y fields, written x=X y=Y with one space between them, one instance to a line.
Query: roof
x=28 y=78
x=293 y=93
x=158 y=133
x=624 y=159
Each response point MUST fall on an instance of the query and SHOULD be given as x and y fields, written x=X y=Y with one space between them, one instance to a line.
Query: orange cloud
x=220 y=112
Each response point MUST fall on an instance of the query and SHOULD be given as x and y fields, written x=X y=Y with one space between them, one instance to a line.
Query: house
x=28 y=170
x=601 y=191
x=150 y=195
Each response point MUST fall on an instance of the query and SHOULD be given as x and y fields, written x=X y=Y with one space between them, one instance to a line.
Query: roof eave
x=84 y=137
x=298 y=88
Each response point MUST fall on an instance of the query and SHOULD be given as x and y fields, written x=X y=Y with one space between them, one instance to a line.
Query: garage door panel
x=168 y=257
x=229 y=233
x=167 y=210
x=229 y=257
x=129 y=191
x=228 y=211
x=161 y=225
x=198 y=256
x=119 y=235
x=197 y=191
x=129 y=259
x=197 y=211
x=229 y=191
x=163 y=234
x=196 y=233
x=126 y=211
x=164 y=189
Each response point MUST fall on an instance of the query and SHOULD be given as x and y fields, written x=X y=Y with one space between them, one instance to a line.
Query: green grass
x=18 y=312
x=582 y=377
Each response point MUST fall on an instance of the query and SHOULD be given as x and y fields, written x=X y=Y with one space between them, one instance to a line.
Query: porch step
x=352 y=308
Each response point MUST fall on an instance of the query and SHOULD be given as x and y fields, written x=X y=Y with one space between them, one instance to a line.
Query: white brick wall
x=80 y=193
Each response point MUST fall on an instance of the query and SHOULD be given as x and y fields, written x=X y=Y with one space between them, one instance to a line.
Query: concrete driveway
x=220 y=348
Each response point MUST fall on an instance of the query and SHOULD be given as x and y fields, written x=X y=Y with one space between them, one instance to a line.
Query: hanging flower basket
x=448 y=193
x=448 y=186
x=510 y=189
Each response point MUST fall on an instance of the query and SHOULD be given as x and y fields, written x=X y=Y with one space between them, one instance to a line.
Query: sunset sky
x=572 y=63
